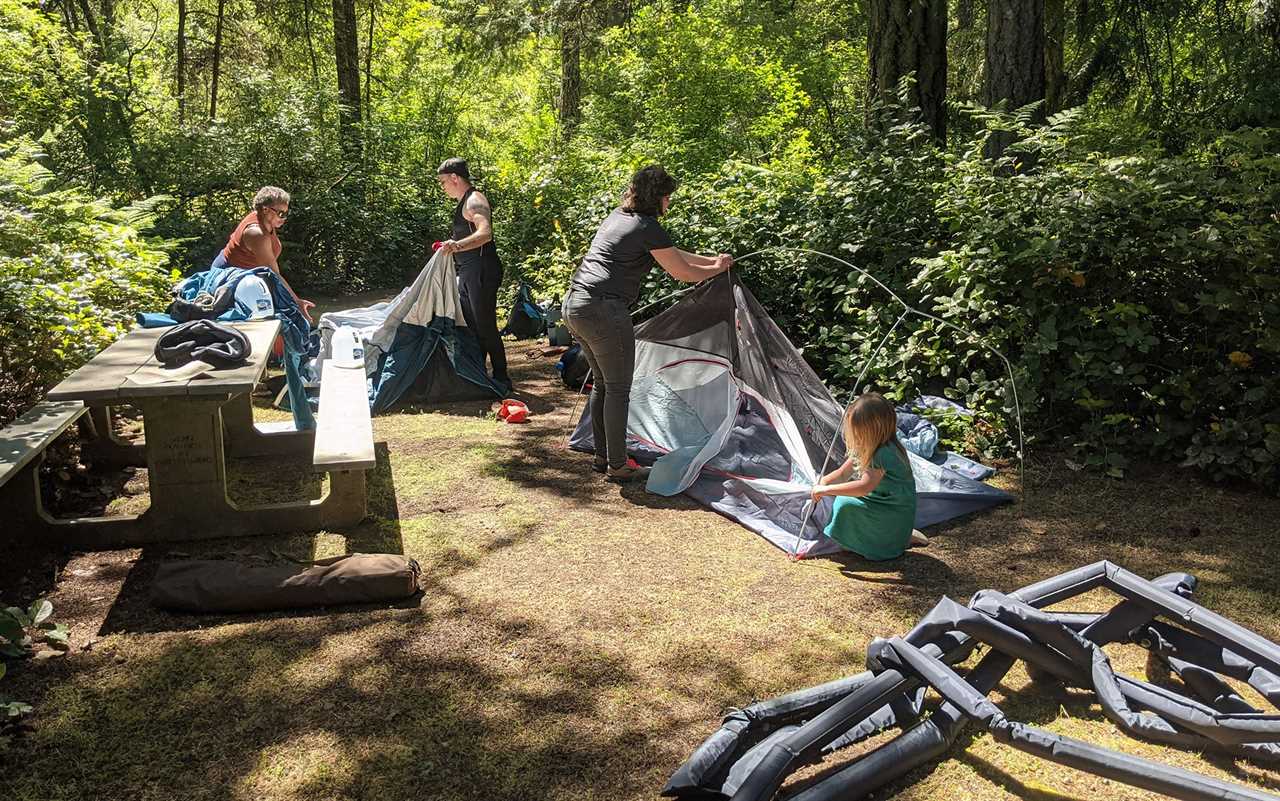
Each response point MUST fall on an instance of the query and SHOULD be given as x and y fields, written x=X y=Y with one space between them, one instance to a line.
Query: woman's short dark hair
x=648 y=187
x=455 y=166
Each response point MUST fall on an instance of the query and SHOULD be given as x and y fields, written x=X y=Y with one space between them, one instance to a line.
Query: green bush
x=1135 y=296
x=20 y=631
x=73 y=271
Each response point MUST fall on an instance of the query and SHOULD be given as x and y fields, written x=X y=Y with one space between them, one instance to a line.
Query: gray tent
x=728 y=412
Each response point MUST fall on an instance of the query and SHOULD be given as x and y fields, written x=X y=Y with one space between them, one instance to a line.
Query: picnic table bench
x=190 y=426
x=22 y=446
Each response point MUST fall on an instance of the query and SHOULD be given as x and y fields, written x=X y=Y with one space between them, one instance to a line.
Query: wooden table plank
x=101 y=377
x=105 y=377
x=262 y=335
x=344 y=431
x=221 y=381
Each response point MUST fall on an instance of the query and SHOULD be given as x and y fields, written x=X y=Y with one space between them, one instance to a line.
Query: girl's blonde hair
x=870 y=422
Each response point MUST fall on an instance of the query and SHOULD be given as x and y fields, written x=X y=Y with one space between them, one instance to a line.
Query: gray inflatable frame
x=757 y=747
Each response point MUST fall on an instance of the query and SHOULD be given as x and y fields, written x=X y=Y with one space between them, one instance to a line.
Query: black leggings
x=478 y=292
x=602 y=327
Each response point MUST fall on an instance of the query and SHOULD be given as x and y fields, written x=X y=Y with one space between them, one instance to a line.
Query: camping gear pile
x=727 y=411
x=757 y=747
x=230 y=294
x=417 y=346
x=528 y=319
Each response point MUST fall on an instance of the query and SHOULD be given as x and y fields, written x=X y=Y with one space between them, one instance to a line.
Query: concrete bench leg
x=187 y=472
x=345 y=505
x=243 y=438
x=23 y=506
x=102 y=446
x=20 y=499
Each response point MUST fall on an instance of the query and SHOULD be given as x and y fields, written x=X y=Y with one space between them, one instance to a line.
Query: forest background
x=1089 y=185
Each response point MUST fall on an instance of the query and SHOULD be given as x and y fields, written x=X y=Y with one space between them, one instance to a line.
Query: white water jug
x=348 y=348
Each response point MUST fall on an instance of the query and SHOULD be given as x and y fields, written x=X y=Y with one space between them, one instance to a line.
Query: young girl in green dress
x=874 y=514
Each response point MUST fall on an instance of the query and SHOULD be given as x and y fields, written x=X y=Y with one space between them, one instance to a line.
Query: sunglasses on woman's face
x=284 y=215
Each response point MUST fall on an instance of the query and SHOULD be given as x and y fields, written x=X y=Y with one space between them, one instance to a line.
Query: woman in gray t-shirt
x=596 y=310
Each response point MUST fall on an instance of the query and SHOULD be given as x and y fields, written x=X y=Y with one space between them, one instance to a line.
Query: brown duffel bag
x=207 y=585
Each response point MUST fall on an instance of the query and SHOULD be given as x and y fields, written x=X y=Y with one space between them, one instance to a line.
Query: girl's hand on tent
x=723 y=262
x=816 y=492
x=306 y=307
x=449 y=246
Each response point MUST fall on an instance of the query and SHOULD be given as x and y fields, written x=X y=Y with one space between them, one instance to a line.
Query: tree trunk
x=346 y=55
x=69 y=17
x=964 y=15
x=217 y=61
x=182 y=61
x=909 y=38
x=1014 y=61
x=570 y=79
x=111 y=103
x=311 y=48
x=93 y=28
x=368 y=66
x=1055 y=76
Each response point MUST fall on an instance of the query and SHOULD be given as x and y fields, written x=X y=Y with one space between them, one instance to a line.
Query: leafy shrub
x=20 y=631
x=73 y=271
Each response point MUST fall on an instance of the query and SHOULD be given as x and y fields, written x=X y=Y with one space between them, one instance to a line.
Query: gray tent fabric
x=434 y=293
x=727 y=411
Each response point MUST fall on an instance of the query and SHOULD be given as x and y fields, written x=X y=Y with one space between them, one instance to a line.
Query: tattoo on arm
x=478 y=207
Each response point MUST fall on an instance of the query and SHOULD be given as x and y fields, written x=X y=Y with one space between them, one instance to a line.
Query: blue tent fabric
x=417 y=346
x=301 y=344
x=412 y=350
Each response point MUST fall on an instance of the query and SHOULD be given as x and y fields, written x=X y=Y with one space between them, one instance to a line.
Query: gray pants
x=602 y=326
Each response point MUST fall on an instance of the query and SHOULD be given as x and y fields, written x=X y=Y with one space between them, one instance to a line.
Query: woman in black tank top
x=476 y=260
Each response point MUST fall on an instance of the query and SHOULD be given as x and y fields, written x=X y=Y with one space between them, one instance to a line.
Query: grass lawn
x=576 y=639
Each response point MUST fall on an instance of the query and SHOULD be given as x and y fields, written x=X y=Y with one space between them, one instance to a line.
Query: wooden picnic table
x=190 y=425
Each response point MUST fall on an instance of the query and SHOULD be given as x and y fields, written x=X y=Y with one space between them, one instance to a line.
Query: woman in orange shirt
x=255 y=243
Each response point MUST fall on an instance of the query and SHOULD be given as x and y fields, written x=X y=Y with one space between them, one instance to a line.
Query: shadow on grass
x=131 y=611
x=540 y=458
x=454 y=700
x=1012 y=785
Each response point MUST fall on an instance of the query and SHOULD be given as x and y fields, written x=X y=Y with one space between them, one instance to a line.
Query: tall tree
x=570 y=105
x=909 y=38
x=311 y=48
x=217 y=60
x=182 y=61
x=1014 y=60
x=368 y=64
x=575 y=25
x=1055 y=76
x=346 y=56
